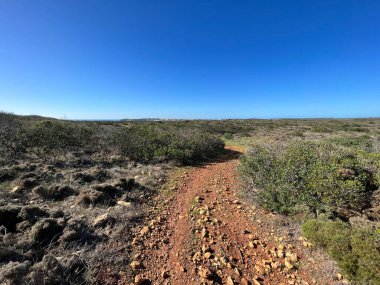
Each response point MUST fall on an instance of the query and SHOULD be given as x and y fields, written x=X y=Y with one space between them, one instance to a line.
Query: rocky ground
x=201 y=232
x=59 y=223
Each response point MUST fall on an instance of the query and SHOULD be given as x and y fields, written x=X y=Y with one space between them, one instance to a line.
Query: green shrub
x=192 y=145
x=49 y=139
x=11 y=138
x=150 y=143
x=319 y=176
x=140 y=144
x=321 y=129
x=357 y=251
x=361 y=142
x=228 y=136
x=358 y=129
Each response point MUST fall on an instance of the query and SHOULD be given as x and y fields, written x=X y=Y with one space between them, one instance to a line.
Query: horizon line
x=192 y=119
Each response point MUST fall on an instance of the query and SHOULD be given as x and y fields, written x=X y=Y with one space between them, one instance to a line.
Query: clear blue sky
x=190 y=59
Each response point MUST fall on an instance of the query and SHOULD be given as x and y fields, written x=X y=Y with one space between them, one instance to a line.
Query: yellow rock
x=205 y=248
x=204 y=233
x=135 y=265
x=205 y=273
x=124 y=204
x=292 y=257
x=307 y=244
x=165 y=274
x=259 y=269
x=288 y=264
x=274 y=265
x=139 y=280
x=197 y=256
x=145 y=230
x=230 y=281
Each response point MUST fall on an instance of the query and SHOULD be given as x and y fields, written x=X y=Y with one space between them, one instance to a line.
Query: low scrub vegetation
x=319 y=176
x=61 y=140
x=324 y=185
x=356 y=250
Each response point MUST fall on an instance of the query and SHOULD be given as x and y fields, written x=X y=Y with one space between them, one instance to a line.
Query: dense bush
x=55 y=138
x=228 y=136
x=320 y=176
x=11 y=137
x=46 y=139
x=357 y=251
x=358 y=142
x=149 y=143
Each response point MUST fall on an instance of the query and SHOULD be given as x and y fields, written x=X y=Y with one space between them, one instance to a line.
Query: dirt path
x=205 y=235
